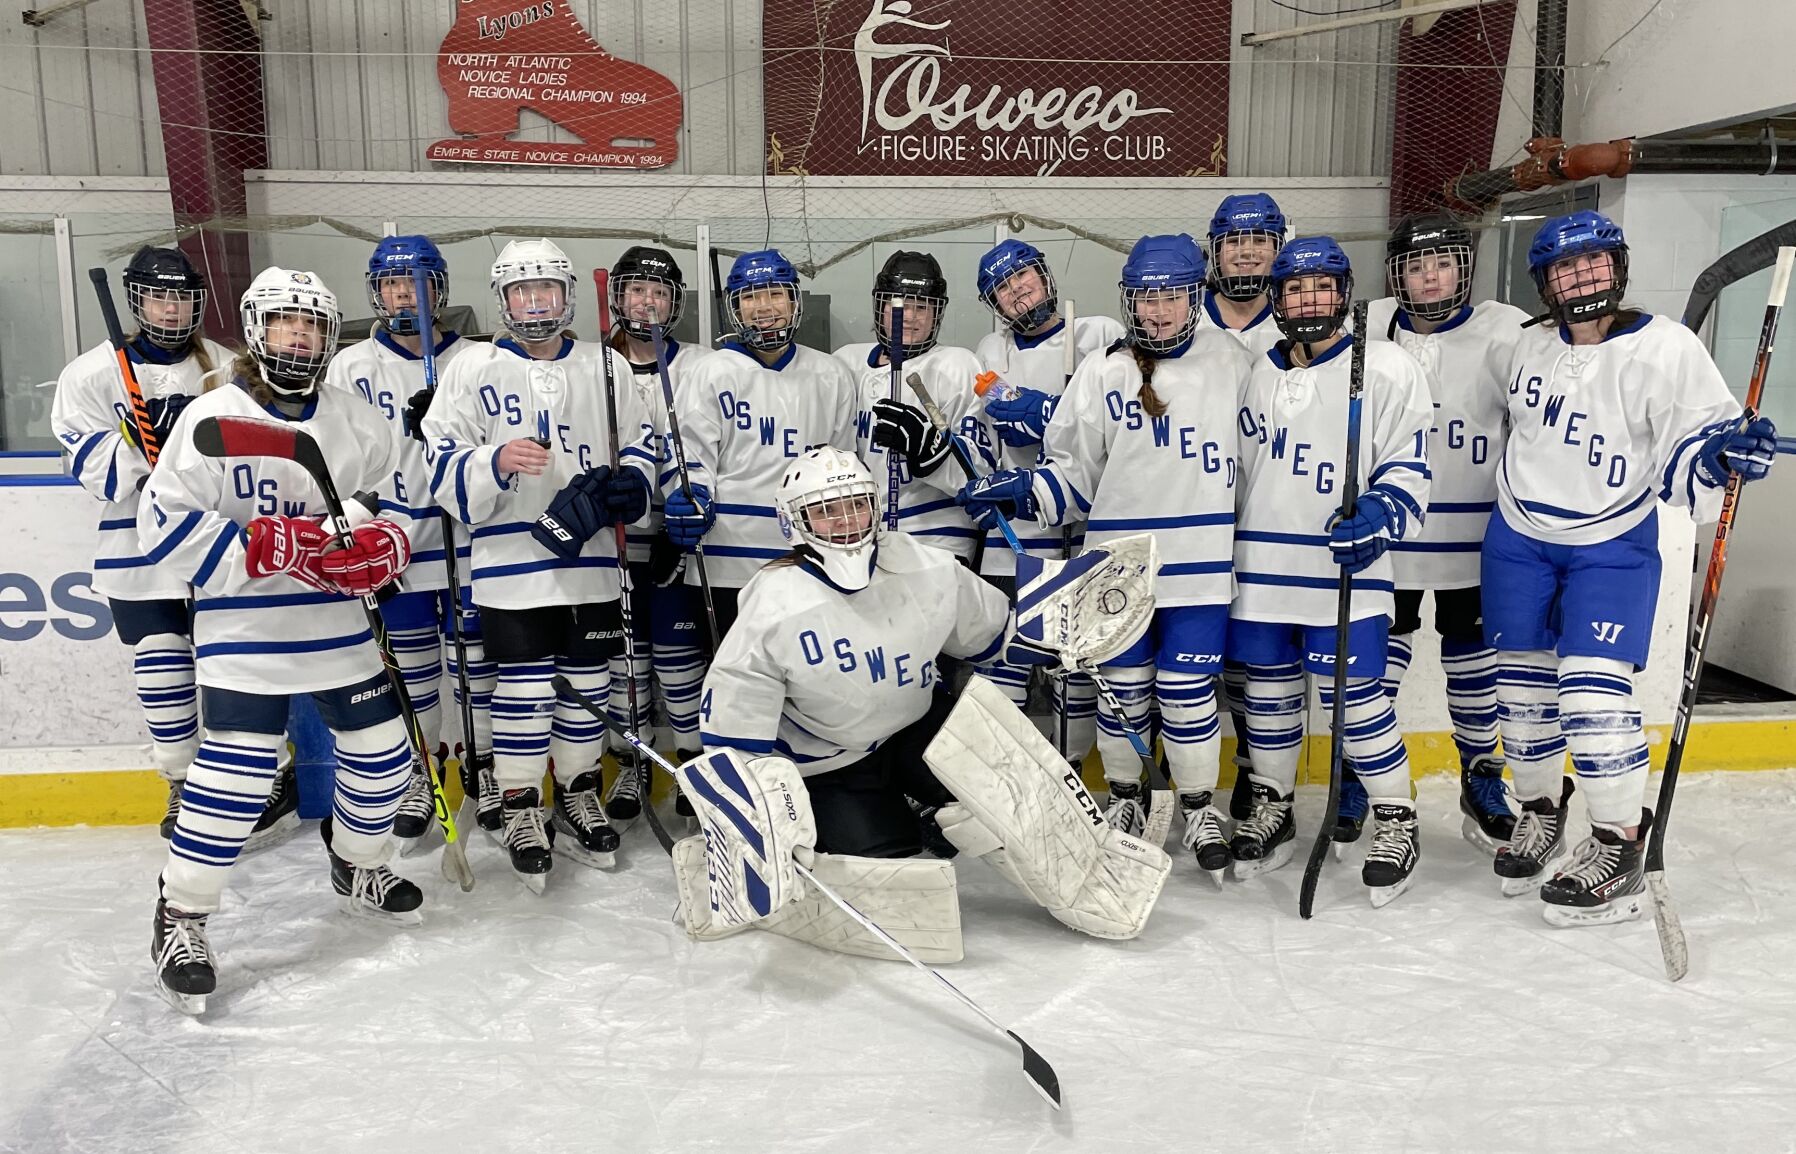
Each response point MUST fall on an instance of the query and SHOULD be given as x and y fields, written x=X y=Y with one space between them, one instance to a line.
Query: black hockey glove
x=905 y=429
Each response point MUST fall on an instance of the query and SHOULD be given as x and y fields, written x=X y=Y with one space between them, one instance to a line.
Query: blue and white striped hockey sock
x=1471 y=669
x=1373 y=740
x=680 y=672
x=419 y=653
x=1272 y=699
x=226 y=789
x=1398 y=653
x=1528 y=716
x=1190 y=728
x=1602 y=729
x=1076 y=714
x=162 y=666
x=523 y=709
x=1134 y=688
x=483 y=677
x=576 y=737
x=373 y=766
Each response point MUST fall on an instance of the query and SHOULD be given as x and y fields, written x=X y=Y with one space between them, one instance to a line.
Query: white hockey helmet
x=289 y=370
x=533 y=260
x=828 y=504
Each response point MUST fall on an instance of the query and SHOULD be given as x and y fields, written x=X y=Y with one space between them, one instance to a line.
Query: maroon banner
x=984 y=88
x=1449 y=91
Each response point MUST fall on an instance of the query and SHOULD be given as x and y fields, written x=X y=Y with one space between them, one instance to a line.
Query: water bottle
x=993 y=388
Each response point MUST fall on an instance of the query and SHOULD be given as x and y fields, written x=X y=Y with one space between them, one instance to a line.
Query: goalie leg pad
x=1017 y=793
x=692 y=882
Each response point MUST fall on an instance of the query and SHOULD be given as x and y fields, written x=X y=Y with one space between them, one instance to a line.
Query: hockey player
x=1611 y=411
x=91 y=416
x=1246 y=232
x=518 y=441
x=387 y=371
x=746 y=414
x=1030 y=355
x=276 y=613
x=1291 y=545
x=817 y=713
x=928 y=476
x=647 y=289
x=1144 y=439
x=1464 y=350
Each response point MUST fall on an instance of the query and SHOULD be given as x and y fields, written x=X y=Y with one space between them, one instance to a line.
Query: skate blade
x=1340 y=850
x=284 y=827
x=1254 y=867
x=363 y=910
x=1474 y=833
x=411 y=846
x=592 y=859
x=535 y=883
x=1625 y=909
x=1217 y=877
x=1518 y=887
x=192 y=1005
x=1383 y=896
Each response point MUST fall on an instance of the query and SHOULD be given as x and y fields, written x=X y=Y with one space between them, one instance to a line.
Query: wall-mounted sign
x=503 y=56
x=976 y=88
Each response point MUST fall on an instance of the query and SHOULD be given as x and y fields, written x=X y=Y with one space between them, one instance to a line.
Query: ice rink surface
x=584 y=1020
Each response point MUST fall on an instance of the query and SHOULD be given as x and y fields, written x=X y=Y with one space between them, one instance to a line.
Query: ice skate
x=526 y=839
x=183 y=958
x=1538 y=841
x=1605 y=882
x=1391 y=858
x=1267 y=838
x=280 y=817
x=1203 y=835
x=1350 y=818
x=1483 y=798
x=1126 y=811
x=588 y=838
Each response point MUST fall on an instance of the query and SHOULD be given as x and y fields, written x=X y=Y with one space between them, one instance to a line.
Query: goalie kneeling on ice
x=1023 y=809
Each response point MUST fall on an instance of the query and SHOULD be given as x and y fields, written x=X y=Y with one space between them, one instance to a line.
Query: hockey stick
x=1159 y=813
x=465 y=815
x=222 y=437
x=1737 y=264
x=1672 y=945
x=1069 y=359
x=659 y=336
x=1337 y=740
x=895 y=355
x=115 y=333
x=1041 y=1075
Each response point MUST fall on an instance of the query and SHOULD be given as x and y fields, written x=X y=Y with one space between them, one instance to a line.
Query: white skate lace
x=626 y=783
x=1592 y=862
x=1126 y=814
x=489 y=792
x=1534 y=832
x=1264 y=821
x=583 y=808
x=417 y=799
x=524 y=828
x=184 y=942
x=370 y=886
x=1203 y=825
x=1393 y=840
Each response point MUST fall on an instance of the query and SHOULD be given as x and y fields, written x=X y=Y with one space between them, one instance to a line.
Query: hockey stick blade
x=646 y=755
x=1672 y=945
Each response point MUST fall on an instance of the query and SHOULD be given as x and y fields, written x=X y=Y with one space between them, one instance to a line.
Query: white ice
x=584 y=1020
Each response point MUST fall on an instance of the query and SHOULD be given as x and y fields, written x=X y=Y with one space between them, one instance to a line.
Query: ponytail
x=1151 y=404
x=247 y=369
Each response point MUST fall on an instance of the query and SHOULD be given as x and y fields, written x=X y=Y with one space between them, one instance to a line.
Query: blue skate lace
x=1353 y=798
x=1489 y=794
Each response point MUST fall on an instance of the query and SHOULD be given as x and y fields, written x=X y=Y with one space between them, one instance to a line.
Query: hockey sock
x=1373 y=741
x=1471 y=669
x=1134 y=688
x=1272 y=699
x=1602 y=730
x=1397 y=656
x=1528 y=716
x=1012 y=679
x=1076 y=714
x=373 y=767
x=577 y=738
x=482 y=677
x=227 y=787
x=1190 y=728
x=419 y=653
x=162 y=665
x=1234 y=699
x=680 y=670
x=523 y=707
x=618 y=700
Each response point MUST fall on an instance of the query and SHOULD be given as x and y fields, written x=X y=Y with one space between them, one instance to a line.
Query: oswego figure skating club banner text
x=970 y=88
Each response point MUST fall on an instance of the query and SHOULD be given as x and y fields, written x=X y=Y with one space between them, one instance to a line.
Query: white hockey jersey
x=1293 y=426
x=926 y=505
x=1596 y=432
x=647 y=380
x=90 y=406
x=1174 y=475
x=269 y=635
x=1037 y=363
x=1258 y=338
x=385 y=373
x=1466 y=361
x=744 y=423
x=497 y=393
x=823 y=677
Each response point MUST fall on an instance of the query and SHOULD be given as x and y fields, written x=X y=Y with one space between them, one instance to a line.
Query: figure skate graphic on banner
x=963 y=88
x=503 y=56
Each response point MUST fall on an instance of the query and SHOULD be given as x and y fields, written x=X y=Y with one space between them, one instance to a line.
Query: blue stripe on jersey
x=119 y=523
x=1268 y=537
x=1436 y=546
x=214 y=555
x=438 y=555
x=267 y=601
x=1461 y=506
x=1289 y=581
x=318 y=645
x=167 y=545
x=947 y=531
x=112 y=477
x=1195 y=520
x=746 y=744
x=87 y=446
x=927 y=507
x=415 y=514
x=461 y=484
x=1195 y=568
x=501 y=528
x=1418 y=466
x=746 y=510
x=1576 y=515
x=1677 y=453
x=743 y=551
x=492 y=571
x=989 y=652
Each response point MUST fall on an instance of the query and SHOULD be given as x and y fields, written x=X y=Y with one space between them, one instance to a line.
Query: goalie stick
x=1036 y=1068
x=223 y=437
x=1160 y=801
x=1672 y=945
x=1337 y=740
x=115 y=333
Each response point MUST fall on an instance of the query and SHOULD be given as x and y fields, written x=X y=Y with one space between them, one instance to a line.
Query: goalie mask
x=290 y=322
x=545 y=273
x=167 y=296
x=1313 y=309
x=913 y=281
x=1428 y=261
x=1580 y=265
x=399 y=258
x=828 y=507
x=647 y=289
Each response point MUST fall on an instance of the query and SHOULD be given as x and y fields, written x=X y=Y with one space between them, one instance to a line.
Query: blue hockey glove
x=574 y=516
x=626 y=495
x=1362 y=538
x=1008 y=492
x=687 y=520
x=1747 y=452
x=1022 y=420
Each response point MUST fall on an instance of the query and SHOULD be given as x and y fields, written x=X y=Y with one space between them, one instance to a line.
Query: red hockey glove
x=379 y=552
x=290 y=545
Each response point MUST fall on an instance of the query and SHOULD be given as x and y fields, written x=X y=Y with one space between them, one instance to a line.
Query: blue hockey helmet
x=1162 y=265
x=1005 y=260
x=1309 y=256
x=1251 y=214
x=402 y=256
x=1572 y=235
x=752 y=272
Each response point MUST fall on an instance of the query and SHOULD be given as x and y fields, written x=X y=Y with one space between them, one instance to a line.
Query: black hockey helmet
x=1418 y=237
x=909 y=276
x=167 y=273
x=643 y=263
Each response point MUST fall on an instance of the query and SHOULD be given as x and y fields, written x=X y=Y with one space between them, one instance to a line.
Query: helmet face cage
x=1585 y=297
x=404 y=322
x=1431 y=267
x=1244 y=286
x=1133 y=297
x=141 y=295
x=1035 y=315
x=1309 y=329
x=840 y=516
x=751 y=334
x=540 y=326
x=642 y=330
x=883 y=303
x=287 y=371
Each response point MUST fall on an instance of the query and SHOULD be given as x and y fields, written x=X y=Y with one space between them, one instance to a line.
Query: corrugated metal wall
x=352 y=86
